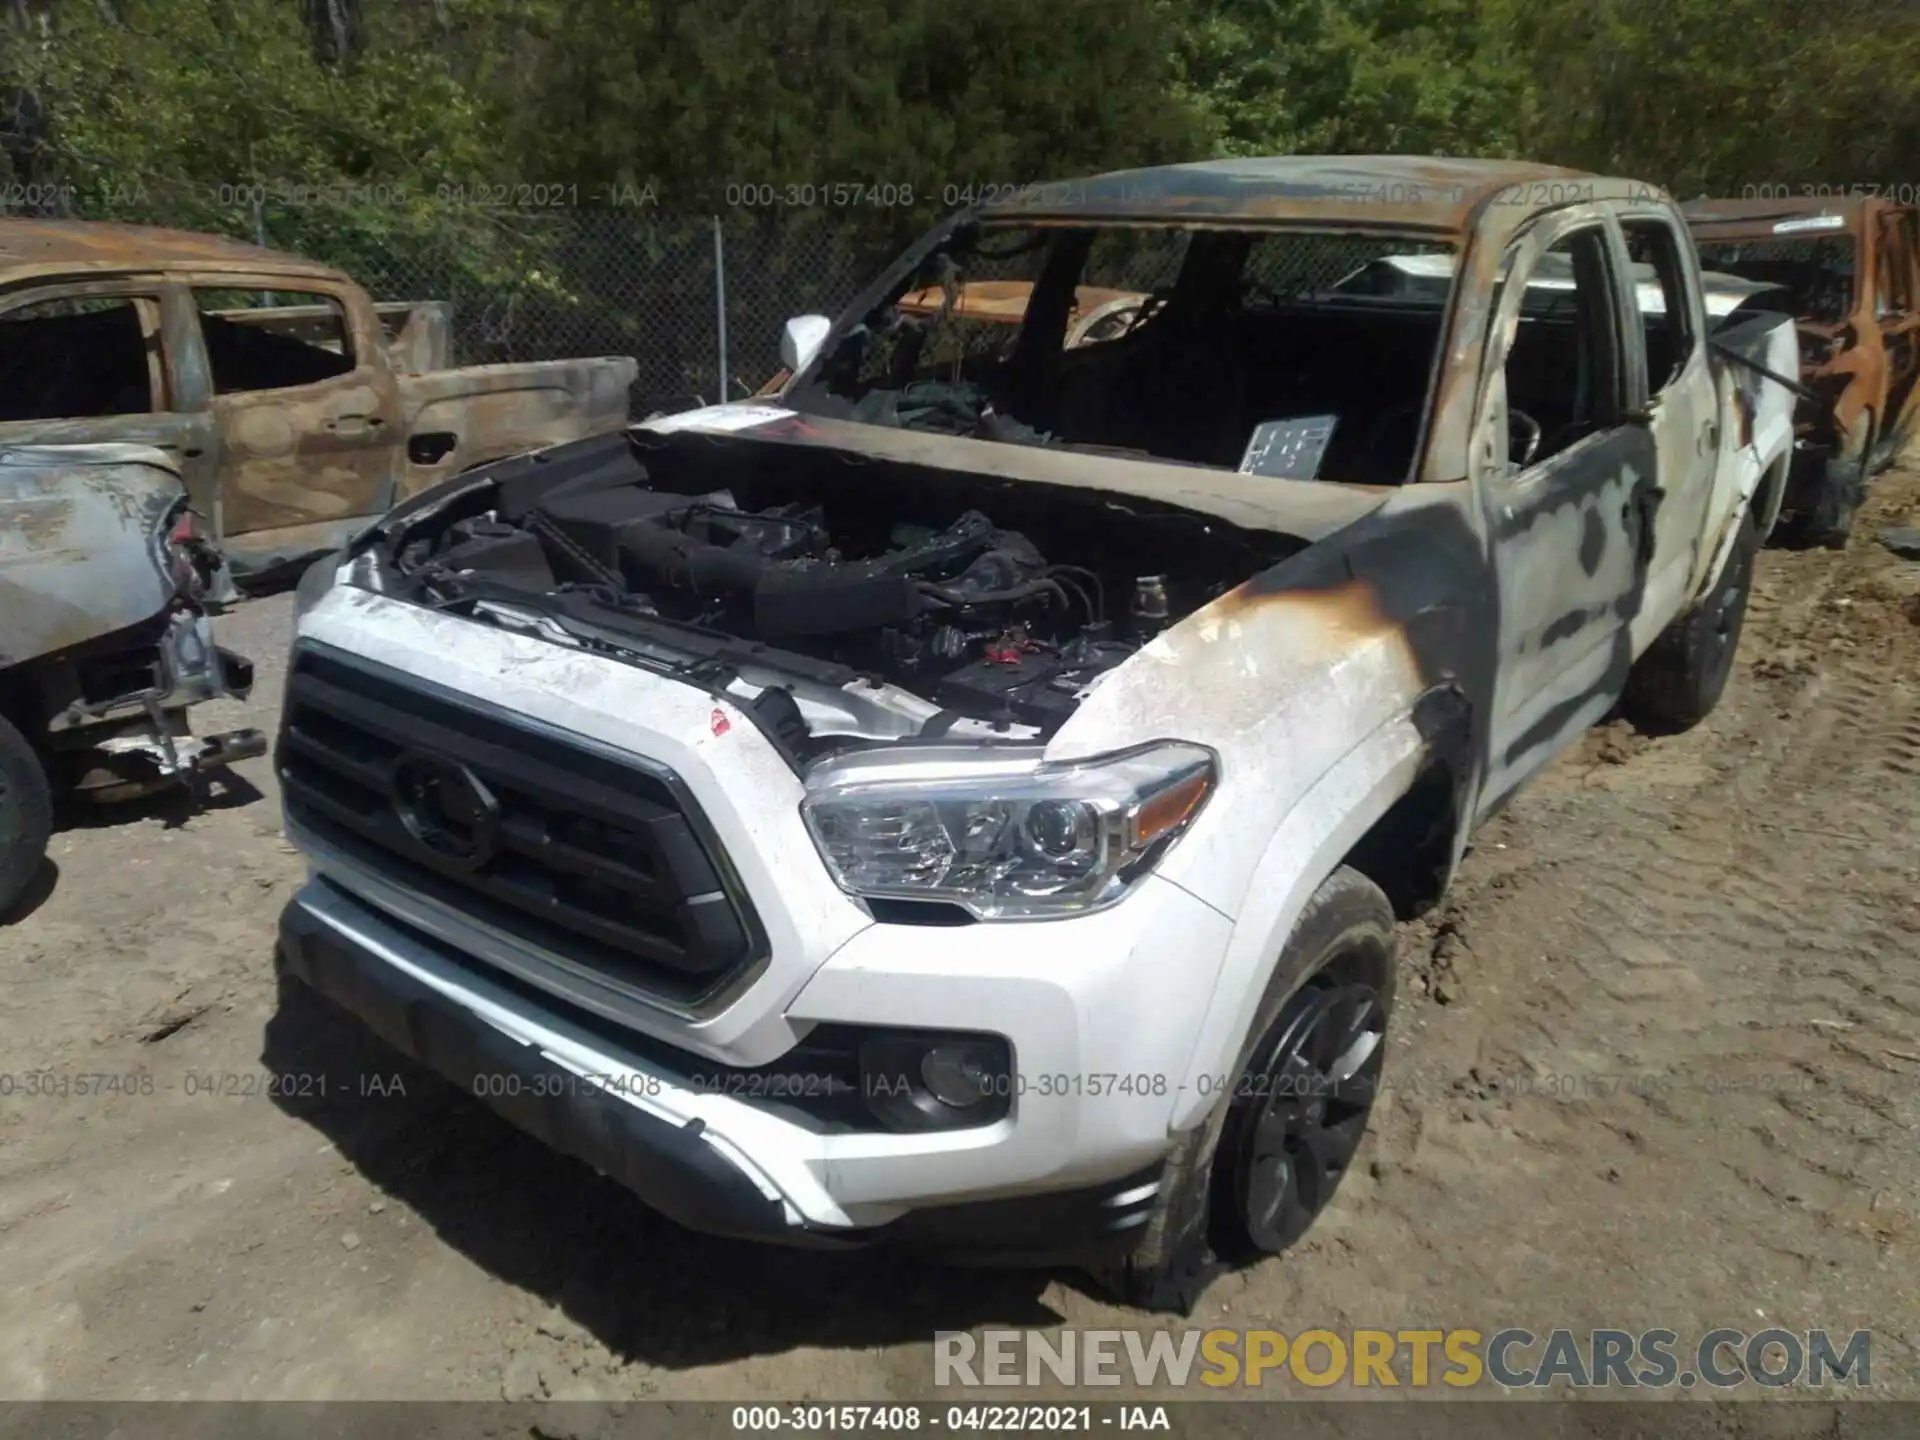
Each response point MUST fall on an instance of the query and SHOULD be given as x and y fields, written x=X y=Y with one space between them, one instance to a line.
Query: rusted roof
x=1392 y=191
x=70 y=246
x=1758 y=216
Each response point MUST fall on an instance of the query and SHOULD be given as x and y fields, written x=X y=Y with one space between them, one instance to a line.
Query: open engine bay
x=840 y=602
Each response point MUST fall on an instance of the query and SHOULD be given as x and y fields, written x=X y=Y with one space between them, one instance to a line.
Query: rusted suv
x=1849 y=267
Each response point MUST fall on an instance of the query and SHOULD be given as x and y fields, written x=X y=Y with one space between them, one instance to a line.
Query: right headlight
x=998 y=830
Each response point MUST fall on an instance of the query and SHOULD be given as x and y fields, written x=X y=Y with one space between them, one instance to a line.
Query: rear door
x=1566 y=478
x=1897 y=309
x=85 y=361
x=307 y=409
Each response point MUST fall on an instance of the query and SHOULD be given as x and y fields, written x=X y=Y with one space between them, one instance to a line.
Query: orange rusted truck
x=295 y=409
x=1096 y=313
x=1848 y=268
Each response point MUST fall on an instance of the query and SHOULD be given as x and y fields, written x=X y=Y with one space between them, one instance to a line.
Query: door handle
x=354 y=424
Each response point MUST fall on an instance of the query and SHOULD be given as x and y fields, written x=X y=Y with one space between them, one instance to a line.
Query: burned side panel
x=457 y=419
x=1389 y=623
x=78 y=545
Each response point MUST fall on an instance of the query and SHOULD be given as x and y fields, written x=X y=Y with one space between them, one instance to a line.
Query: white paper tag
x=717 y=417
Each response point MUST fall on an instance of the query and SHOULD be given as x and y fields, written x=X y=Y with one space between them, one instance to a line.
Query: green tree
x=1381 y=76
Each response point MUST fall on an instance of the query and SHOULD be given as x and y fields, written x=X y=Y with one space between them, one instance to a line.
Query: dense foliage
x=361 y=129
x=698 y=97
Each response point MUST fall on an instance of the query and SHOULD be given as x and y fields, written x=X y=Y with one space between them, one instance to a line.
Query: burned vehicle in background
x=295 y=409
x=1848 y=269
x=1097 y=312
x=104 y=642
x=965 y=799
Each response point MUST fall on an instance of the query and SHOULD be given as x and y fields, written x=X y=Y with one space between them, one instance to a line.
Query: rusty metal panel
x=31 y=249
x=1844 y=357
x=488 y=412
x=1386 y=191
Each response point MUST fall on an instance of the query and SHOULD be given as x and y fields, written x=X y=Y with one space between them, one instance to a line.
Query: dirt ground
x=1654 y=1064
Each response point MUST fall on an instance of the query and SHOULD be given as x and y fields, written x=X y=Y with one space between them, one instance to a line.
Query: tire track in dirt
x=1692 y=973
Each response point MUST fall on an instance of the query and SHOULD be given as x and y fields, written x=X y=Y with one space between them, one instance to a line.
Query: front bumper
x=138 y=740
x=633 y=1122
x=1101 y=1012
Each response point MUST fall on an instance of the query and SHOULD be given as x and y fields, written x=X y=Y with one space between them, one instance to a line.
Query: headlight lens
x=999 y=831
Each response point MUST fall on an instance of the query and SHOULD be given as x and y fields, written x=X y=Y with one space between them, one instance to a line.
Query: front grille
x=599 y=858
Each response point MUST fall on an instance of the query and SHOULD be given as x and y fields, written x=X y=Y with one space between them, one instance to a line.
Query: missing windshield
x=1195 y=346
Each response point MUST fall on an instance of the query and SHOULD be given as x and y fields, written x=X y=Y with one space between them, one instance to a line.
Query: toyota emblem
x=447 y=809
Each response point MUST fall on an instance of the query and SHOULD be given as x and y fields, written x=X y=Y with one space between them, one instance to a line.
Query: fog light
x=960 y=1075
x=928 y=1080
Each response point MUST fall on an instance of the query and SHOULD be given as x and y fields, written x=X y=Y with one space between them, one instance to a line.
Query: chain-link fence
x=698 y=301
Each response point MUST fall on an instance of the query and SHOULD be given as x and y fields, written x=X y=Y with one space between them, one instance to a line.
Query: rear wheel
x=1680 y=678
x=1248 y=1183
x=26 y=814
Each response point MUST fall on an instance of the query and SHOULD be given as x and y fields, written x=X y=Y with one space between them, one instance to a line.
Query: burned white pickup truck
x=965 y=799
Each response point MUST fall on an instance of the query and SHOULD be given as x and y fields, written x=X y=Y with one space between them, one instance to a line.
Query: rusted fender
x=493 y=411
x=79 y=552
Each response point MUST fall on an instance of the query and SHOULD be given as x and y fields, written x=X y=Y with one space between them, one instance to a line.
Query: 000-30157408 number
x=989 y=1417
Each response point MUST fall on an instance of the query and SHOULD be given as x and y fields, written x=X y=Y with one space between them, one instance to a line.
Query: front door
x=308 y=415
x=1566 y=478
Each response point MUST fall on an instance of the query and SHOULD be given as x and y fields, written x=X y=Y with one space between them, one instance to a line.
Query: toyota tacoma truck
x=1848 y=269
x=295 y=409
x=105 y=643
x=965 y=799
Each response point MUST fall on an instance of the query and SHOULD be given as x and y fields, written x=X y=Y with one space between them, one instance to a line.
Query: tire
x=1680 y=678
x=26 y=814
x=1248 y=1182
x=1828 y=521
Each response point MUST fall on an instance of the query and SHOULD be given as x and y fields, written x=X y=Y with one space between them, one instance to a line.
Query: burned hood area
x=1019 y=456
x=993 y=601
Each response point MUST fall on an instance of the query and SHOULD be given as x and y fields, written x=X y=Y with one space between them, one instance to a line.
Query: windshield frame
x=807 y=391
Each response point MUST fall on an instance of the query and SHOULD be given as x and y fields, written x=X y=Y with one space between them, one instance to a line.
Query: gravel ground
x=1654 y=1064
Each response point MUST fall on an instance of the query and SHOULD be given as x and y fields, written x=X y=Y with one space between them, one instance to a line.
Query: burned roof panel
x=1759 y=216
x=1392 y=191
x=67 y=246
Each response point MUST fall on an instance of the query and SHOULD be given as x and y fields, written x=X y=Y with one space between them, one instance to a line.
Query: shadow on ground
x=173 y=806
x=649 y=1290
x=38 y=890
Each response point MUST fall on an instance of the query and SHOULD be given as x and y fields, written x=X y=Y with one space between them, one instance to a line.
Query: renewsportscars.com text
x=1511 y=1358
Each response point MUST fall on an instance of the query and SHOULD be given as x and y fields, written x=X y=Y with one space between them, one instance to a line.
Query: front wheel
x=1680 y=678
x=1250 y=1181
